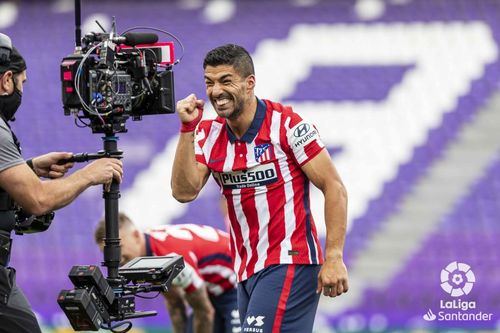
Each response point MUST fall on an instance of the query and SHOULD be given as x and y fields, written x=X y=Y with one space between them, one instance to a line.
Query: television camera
x=112 y=77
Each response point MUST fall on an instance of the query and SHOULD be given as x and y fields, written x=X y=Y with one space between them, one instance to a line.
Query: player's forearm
x=186 y=182
x=203 y=322
x=336 y=220
x=179 y=320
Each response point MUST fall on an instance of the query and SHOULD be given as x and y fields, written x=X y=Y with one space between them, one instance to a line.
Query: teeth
x=221 y=102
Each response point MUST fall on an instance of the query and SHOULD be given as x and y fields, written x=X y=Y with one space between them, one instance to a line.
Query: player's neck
x=240 y=125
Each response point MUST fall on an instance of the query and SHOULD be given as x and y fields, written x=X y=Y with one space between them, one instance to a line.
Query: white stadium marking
x=8 y=14
x=376 y=137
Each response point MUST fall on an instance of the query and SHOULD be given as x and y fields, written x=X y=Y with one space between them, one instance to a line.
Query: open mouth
x=222 y=102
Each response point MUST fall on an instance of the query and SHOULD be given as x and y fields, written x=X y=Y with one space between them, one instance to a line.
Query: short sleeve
x=9 y=154
x=304 y=141
x=188 y=279
x=199 y=141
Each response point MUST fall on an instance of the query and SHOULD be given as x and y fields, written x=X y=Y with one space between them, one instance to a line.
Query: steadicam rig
x=106 y=81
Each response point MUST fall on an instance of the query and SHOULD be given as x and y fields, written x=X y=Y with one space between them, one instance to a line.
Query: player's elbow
x=183 y=196
x=342 y=191
x=339 y=191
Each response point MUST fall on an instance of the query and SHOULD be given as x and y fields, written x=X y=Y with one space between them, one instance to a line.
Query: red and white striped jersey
x=266 y=190
x=206 y=252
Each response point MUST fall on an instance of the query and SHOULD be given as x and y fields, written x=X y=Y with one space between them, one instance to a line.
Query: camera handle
x=112 y=252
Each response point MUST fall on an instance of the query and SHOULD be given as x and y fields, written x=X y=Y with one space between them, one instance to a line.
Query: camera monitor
x=151 y=269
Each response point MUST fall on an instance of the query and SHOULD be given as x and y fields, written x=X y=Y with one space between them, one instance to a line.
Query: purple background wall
x=43 y=32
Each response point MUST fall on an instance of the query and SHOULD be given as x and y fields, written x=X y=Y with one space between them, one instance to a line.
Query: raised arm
x=188 y=176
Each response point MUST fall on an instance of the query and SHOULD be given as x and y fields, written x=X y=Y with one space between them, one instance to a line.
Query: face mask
x=10 y=103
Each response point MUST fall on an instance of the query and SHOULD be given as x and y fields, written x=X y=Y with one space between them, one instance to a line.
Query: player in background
x=207 y=283
x=263 y=156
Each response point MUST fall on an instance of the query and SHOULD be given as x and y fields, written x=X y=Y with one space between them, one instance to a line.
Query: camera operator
x=20 y=186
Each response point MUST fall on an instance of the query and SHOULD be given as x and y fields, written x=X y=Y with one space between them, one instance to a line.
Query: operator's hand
x=46 y=165
x=103 y=170
x=332 y=278
x=190 y=110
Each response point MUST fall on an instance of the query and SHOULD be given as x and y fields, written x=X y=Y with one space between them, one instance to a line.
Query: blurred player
x=208 y=281
x=263 y=156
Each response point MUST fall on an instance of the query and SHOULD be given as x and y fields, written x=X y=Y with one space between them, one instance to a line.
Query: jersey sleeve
x=303 y=139
x=199 y=142
x=9 y=154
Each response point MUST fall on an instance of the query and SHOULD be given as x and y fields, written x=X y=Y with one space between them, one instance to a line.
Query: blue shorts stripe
x=307 y=208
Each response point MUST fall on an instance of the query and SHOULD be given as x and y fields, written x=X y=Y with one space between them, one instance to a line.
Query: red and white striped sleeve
x=303 y=139
x=199 y=141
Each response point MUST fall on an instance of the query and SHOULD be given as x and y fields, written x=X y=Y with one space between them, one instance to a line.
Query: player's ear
x=137 y=234
x=250 y=82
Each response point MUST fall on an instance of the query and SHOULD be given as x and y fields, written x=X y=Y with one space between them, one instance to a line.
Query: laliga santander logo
x=457 y=279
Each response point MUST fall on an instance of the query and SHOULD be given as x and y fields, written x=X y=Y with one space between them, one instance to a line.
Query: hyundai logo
x=301 y=130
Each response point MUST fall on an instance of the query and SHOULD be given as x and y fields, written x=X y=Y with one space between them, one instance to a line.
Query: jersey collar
x=254 y=128
x=149 y=251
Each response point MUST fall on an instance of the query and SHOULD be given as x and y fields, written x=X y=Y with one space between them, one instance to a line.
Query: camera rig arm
x=85 y=157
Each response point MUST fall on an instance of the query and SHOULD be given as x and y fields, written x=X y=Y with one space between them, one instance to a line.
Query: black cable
x=148 y=297
x=165 y=32
x=113 y=328
x=79 y=119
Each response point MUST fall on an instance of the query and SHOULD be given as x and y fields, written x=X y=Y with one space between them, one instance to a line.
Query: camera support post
x=112 y=252
x=111 y=195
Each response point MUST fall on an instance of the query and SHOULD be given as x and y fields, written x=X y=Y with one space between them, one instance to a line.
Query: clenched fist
x=190 y=110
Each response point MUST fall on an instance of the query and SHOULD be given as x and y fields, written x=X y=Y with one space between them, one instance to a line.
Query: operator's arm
x=39 y=197
x=322 y=173
x=176 y=309
x=47 y=165
x=188 y=176
x=203 y=311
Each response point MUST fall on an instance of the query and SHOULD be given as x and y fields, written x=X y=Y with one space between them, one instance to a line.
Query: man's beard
x=238 y=106
x=238 y=109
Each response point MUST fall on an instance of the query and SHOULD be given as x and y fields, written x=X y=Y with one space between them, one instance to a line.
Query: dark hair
x=233 y=55
x=100 y=230
x=16 y=63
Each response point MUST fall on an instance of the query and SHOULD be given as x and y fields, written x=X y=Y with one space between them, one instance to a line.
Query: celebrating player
x=263 y=155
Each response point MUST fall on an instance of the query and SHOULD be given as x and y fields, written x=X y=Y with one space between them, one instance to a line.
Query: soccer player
x=263 y=156
x=207 y=283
